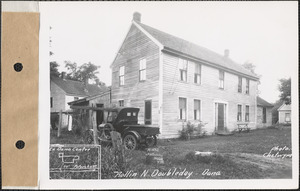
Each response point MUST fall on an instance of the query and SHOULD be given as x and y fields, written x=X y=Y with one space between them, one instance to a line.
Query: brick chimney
x=137 y=17
x=226 y=53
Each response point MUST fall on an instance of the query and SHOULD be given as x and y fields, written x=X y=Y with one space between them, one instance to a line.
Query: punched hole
x=18 y=67
x=20 y=144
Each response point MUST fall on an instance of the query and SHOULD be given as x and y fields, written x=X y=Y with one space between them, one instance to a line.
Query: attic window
x=221 y=79
x=121 y=75
x=240 y=84
x=182 y=69
x=142 y=70
x=247 y=86
x=197 y=76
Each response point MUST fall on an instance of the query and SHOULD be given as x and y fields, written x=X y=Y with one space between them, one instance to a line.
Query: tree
x=285 y=90
x=83 y=72
x=54 y=69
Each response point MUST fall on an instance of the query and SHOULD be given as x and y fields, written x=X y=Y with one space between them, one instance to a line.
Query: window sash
x=197 y=78
x=221 y=79
x=122 y=71
x=121 y=80
x=183 y=75
x=247 y=86
x=240 y=85
x=287 y=117
x=182 y=108
x=182 y=64
x=121 y=103
x=197 y=106
x=143 y=64
x=143 y=75
x=247 y=113
x=239 y=113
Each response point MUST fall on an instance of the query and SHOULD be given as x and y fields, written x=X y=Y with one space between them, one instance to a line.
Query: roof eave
x=169 y=50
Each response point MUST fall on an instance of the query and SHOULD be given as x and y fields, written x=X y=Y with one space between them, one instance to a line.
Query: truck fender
x=136 y=134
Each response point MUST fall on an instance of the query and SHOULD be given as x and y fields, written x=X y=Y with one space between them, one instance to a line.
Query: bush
x=192 y=130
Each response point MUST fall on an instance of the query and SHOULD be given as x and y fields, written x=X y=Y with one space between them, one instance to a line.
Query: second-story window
x=121 y=75
x=247 y=113
x=142 y=70
x=240 y=84
x=247 y=86
x=182 y=70
x=51 y=102
x=239 y=113
x=197 y=75
x=221 y=79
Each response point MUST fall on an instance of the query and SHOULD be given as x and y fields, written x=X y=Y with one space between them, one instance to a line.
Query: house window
x=182 y=108
x=247 y=113
x=182 y=69
x=221 y=79
x=51 y=102
x=240 y=84
x=76 y=98
x=239 y=113
x=142 y=70
x=197 y=106
x=247 y=86
x=197 y=75
x=121 y=75
x=264 y=115
x=121 y=103
x=287 y=117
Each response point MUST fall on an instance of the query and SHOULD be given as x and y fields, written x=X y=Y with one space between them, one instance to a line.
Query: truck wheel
x=151 y=141
x=130 y=142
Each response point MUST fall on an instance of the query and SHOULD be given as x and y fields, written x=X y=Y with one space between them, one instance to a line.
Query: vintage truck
x=125 y=121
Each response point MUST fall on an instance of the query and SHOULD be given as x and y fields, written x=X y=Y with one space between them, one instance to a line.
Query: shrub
x=192 y=130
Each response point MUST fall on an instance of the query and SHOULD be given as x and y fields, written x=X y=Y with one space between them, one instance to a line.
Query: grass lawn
x=239 y=156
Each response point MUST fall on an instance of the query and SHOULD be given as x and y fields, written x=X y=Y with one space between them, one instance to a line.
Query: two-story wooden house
x=173 y=81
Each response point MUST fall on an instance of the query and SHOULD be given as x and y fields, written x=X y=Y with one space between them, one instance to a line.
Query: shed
x=285 y=114
x=264 y=113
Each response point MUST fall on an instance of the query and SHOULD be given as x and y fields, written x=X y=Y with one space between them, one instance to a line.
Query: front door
x=220 y=116
x=148 y=112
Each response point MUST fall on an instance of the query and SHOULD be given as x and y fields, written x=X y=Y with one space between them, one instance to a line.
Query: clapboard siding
x=58 y=98
x=260 y=123
x=137 y=46
x=208 y=92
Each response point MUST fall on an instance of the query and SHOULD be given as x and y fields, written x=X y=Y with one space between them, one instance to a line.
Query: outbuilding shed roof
x=262 y=102
x=78 y=88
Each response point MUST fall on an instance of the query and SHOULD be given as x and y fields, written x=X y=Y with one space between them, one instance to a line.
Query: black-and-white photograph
x=171 y=90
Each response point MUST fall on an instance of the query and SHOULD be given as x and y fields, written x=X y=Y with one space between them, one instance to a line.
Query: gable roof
x=262 y=102
x=171 y=42
x=285 y=107
x=77 y=88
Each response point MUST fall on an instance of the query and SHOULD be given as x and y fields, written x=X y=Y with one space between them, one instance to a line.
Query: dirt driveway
x=274 y=167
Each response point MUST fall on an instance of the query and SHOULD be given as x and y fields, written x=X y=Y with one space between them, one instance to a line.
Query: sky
x=263 y=33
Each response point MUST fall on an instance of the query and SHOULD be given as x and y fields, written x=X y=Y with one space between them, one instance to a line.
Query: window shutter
x=182 y=103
